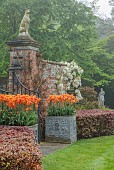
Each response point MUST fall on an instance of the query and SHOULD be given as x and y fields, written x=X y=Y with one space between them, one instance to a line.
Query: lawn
x=87 y=154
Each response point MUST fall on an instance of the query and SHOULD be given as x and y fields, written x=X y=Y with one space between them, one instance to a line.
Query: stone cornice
x=23 y=40
x=53 y=62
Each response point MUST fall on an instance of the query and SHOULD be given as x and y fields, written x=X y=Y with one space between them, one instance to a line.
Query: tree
x=105 y=27
x=11 y=13
x=64 y=28
x=111 y=3
x=102 y=55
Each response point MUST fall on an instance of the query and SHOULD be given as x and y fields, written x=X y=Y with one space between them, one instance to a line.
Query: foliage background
x=63 y=28
x=67 y=30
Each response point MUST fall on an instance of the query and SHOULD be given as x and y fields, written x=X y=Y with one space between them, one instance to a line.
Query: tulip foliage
x=61 y=105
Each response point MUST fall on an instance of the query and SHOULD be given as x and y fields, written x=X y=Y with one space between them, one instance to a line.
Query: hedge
x=94 y=123
x=18 y=150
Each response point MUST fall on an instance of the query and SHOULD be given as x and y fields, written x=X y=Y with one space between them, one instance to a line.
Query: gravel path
x=47 y=148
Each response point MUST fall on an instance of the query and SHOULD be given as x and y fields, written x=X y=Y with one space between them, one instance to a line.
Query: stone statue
x=24 y=26
x=101 y=98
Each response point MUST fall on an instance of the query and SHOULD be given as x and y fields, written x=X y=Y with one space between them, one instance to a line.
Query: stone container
x=35 y=130
x=61 y=129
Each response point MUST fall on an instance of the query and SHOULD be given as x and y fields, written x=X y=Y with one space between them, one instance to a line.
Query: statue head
x=27 y=11
x=101 y=89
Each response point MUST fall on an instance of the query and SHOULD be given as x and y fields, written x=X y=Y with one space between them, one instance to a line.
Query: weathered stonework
x=35 y=72
x=24 y=53
x=49 y=71
x=60 y=129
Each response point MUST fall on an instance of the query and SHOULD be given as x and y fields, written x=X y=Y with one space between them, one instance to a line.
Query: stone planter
x=35 y=130
x=61 y=129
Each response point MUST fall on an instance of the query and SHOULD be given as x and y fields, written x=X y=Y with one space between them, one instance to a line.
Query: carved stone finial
x=24 y=26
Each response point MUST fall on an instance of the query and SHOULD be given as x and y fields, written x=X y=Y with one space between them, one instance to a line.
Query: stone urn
x=35 y=130
x=61 y=129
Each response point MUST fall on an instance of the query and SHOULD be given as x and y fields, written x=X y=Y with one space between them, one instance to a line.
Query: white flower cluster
x=71 y=74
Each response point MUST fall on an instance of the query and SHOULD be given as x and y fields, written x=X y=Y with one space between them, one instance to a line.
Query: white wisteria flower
x=80 y=70
x=65 y=78
x=74 y=73
x=72 y=76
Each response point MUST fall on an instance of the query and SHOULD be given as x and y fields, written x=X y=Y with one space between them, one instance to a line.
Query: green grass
x=88 y=154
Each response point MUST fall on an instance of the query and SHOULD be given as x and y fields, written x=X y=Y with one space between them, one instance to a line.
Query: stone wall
x=27 y=60
x=3 y=82
x=36 y=73
x=33 y=71
x=49 y=71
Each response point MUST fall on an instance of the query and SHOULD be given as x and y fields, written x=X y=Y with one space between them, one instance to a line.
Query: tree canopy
x=102 y=54
x=66 y=30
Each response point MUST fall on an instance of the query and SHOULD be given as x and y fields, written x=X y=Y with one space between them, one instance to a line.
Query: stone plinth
x=24 y=53
x=61 y=129
x=23 y=41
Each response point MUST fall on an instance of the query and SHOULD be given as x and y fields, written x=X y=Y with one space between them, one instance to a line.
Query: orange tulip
x=19 y=101
x=64 y=98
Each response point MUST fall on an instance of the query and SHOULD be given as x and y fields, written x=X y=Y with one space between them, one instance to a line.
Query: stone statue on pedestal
x=101 y=98
x=24 y=26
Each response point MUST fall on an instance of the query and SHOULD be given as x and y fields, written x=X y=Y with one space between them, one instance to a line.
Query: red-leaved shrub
x=89 y=100
x=18 y=149
x=95 y=122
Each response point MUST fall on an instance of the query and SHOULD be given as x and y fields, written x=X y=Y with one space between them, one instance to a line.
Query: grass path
x=89 y=154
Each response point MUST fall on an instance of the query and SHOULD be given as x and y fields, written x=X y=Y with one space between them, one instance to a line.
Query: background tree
x=64 y=28
x=11 y=13
x=102 y=54
x=111 y=3
x=105 y=27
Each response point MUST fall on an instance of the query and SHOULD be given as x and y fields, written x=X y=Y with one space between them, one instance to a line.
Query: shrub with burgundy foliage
x=89 y=100
x=18 y=149
x=94 y=122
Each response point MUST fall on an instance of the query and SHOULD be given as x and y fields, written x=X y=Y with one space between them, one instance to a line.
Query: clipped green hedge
x=18 y=150
x=94 y=123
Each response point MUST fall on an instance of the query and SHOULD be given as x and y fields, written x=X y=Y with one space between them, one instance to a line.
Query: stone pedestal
x=61 y=129
x=24 y=58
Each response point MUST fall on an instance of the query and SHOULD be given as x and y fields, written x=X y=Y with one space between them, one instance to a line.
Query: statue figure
x=24 y=26
x=101 y=98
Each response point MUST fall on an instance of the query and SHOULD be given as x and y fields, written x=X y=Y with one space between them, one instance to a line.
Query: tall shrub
x=89 y=100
